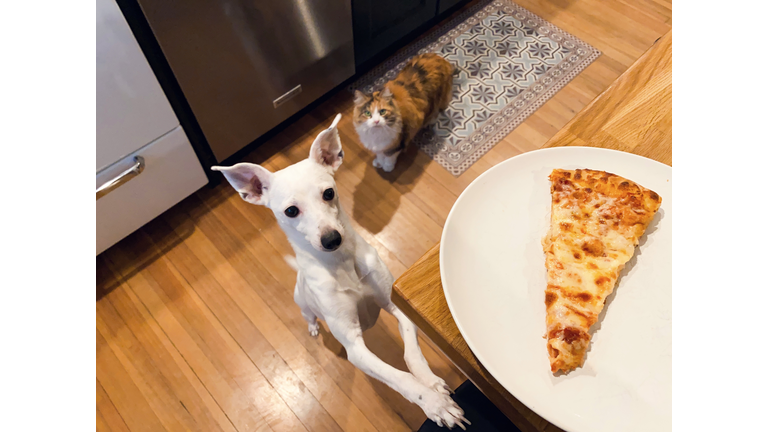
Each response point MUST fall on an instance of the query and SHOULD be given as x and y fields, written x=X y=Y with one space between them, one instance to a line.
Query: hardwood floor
x=196 y=327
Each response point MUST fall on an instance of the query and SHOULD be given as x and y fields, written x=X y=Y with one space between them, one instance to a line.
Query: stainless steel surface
x=235 y=58
x=122 y=178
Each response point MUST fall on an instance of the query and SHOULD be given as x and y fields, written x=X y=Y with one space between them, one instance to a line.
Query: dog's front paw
x=435 y=383
x=314 y=329
x=442 y=410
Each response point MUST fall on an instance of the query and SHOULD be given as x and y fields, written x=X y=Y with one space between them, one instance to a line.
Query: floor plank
x=107 y=416
x=196 y=325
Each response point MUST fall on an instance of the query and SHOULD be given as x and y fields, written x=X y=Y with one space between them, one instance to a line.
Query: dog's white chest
x=348 y=295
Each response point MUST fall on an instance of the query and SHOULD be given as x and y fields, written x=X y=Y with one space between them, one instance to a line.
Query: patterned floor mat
x=510 y=61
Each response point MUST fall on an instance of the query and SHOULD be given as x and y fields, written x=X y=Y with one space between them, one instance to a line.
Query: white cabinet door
x=171 y=173
x=131 y=108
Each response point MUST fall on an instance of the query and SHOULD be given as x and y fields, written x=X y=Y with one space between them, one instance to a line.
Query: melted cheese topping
x=596 y=222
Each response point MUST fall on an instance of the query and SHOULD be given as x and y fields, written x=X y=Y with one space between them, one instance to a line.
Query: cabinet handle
x=286 y=97
x=122 y=178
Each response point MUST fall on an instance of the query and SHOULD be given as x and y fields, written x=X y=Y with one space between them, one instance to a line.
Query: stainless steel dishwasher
x=244 y=66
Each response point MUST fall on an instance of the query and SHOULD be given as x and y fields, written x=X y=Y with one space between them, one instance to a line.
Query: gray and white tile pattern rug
x=510 y=61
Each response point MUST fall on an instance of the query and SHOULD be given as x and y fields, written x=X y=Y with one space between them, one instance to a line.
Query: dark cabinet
x=379 y=24
x=447 y=4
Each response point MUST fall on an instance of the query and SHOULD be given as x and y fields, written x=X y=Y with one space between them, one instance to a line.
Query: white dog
x=341 y=278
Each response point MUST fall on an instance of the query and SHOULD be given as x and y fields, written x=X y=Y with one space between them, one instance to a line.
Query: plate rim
x=466 y=190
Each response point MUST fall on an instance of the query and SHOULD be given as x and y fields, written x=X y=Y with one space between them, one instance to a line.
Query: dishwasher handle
x=123 y=178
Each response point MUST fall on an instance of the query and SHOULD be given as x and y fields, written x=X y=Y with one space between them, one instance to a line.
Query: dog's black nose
x=331 y=240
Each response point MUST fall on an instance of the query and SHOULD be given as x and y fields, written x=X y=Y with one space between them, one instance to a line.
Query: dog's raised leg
x=381 y=279
x=312 y=325
x=306 y=312
x=414 y=358
x=439 y=407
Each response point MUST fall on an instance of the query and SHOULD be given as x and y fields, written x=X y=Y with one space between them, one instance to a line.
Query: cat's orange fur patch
x=415 y=97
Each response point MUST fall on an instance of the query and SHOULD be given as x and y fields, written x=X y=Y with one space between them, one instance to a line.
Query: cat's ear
x=386 y=93
x=360 y=97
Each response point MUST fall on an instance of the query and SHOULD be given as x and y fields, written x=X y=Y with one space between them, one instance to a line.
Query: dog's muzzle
x=331 y=240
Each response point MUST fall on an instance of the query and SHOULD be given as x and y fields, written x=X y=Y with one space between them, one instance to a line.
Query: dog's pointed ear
x=360 y=97
x=326 y=150
x=251 y=181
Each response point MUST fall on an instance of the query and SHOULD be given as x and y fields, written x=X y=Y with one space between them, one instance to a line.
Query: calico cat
x=387 y=120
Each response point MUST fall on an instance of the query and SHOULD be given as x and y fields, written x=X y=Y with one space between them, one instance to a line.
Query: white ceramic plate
x=493 y=274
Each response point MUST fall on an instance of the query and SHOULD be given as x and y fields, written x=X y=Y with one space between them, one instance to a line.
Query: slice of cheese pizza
x=597 y=220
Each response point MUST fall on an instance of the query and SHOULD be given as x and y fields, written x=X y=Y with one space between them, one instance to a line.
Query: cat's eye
x=367 y=113
x=382 y=112
x=292 y=211
x=328 y=194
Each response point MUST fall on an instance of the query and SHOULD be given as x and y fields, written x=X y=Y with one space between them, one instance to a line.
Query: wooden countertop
x=634 y=115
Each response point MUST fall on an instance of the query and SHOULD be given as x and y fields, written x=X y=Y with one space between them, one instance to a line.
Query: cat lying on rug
x=387 y=120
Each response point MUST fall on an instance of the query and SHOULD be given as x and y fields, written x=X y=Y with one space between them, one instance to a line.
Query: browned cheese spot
x=571 y=334
x=593 y=247
x=583 y=296
x=624 y=185
x=561 y=183
x=577 y=255
x=549 y=298
x=566 y=226
x=654 y=196
x=600 y=281
x=579 y=313
x=578 y=175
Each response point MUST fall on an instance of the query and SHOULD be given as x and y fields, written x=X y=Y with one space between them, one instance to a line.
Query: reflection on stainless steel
x=311 y=27
x=234 y=58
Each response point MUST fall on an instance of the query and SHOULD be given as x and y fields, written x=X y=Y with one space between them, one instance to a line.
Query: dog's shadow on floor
x=374 y=205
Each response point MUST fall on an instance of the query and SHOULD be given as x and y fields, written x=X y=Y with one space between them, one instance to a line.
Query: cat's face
x=376 y=111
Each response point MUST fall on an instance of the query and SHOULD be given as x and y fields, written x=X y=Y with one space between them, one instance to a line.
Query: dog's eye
x=382 y=112
x=292 y=211
x=367 y=113
x=328 y=194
